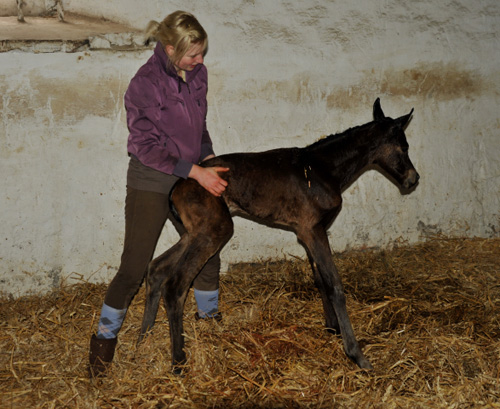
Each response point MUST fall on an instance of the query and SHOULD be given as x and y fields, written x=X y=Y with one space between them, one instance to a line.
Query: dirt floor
x=426 y=315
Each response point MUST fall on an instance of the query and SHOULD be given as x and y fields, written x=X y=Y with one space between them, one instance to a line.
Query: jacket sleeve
x=206 y=144
x=143 y=102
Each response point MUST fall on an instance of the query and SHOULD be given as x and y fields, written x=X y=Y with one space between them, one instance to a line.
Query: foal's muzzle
x=411 y=179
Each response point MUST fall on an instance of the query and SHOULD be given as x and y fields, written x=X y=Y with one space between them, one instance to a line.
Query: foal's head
x=392 y=153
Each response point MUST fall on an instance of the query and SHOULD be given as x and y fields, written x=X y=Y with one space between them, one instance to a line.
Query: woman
x=166 y=115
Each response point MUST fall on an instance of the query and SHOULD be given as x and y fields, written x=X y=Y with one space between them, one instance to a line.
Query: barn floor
x=428 y=317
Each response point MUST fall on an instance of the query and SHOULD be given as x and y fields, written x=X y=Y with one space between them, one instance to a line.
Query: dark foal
x=299 y=189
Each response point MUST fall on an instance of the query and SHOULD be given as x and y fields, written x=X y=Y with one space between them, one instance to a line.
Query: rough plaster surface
x=74 y=27
x=280 y=74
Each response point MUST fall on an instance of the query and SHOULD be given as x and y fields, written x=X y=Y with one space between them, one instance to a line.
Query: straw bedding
x=427 y=317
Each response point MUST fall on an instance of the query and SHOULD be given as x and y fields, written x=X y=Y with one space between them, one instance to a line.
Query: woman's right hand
x=209 y=178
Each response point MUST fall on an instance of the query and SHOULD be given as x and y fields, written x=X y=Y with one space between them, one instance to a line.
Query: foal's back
x=273 y=186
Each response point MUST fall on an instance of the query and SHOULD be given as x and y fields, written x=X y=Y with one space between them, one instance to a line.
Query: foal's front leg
x=331 y=321
x=318 y=248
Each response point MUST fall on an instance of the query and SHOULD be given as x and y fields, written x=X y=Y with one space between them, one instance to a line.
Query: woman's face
x=191 y=59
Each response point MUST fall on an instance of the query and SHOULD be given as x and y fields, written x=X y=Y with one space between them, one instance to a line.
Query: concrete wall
x=282 y=73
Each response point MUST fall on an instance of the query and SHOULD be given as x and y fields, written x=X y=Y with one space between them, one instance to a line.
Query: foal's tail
x=153 y=295
x=171 y=204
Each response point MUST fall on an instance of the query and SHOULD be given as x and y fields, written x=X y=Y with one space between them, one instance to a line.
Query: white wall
x=282 y=73
x=29 y=7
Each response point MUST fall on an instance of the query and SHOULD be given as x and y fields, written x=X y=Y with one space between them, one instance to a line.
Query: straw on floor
x=427 y=316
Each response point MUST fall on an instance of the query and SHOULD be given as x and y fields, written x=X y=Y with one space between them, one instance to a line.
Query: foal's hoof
x=363 y=363
x=143 y=335
x=366 y=365
x=179 y=370
x=333 y=331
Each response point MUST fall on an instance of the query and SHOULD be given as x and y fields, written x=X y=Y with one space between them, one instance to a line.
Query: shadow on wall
x=438 y=81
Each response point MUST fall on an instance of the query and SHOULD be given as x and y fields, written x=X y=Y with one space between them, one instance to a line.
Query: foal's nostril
x=411 y=179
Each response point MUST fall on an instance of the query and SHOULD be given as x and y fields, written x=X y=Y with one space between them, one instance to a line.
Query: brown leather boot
x=101 y=355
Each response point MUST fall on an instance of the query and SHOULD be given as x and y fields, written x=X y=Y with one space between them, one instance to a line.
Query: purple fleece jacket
x=166 y=116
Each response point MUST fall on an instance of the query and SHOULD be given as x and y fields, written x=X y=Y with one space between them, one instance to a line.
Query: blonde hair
x=181 y=30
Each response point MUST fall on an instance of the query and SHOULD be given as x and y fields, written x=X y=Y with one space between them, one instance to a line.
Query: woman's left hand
x=209 y=178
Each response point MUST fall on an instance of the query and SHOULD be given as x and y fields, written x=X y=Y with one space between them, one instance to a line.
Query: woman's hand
x=209 y=178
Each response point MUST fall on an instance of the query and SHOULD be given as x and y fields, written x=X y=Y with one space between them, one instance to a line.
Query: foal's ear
x=378 y=114
x=403 y=120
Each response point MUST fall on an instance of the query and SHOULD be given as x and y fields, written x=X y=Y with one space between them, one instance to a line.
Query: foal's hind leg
x=197 y=253
x=170 y=276
x=208 y=227
x=158 y=273
x=318 y=248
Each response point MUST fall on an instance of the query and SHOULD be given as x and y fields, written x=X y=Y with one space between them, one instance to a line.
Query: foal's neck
x=346 y=154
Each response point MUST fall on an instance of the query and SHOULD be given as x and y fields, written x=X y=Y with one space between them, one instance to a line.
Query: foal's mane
x=340 y=139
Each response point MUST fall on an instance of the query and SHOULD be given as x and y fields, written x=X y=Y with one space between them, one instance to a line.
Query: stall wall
x=281 y=74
